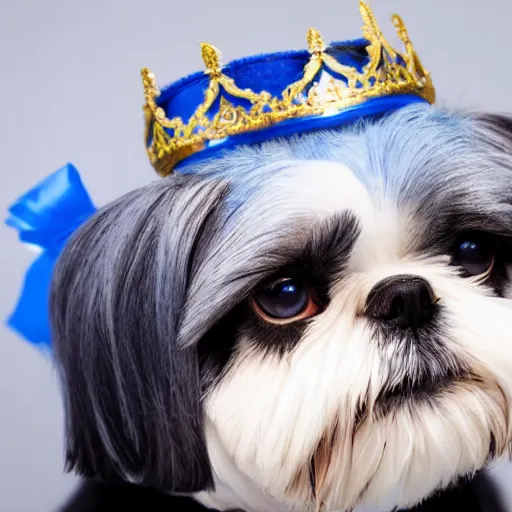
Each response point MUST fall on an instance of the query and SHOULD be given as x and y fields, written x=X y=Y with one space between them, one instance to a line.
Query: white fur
x=268 y=415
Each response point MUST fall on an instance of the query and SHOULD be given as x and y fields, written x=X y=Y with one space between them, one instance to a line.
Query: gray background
x=70 y=90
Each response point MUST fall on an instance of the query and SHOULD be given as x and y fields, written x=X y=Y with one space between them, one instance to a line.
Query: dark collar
x=478 y=494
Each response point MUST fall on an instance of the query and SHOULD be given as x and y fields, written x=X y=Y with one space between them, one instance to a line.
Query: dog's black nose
x=404 y=301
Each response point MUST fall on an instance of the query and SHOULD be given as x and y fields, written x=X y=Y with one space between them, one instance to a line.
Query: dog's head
x=315 y=320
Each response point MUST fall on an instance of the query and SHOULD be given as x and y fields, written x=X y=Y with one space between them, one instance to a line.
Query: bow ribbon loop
x=45 y=217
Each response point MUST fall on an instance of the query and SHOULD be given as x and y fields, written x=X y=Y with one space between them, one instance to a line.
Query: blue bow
x=45 y=217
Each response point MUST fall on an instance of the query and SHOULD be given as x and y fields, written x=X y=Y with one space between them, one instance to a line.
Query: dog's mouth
x=417 y=389
x=418 y=365
x=429 y=374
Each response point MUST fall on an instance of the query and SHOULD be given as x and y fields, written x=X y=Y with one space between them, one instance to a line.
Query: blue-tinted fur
x=413 y=151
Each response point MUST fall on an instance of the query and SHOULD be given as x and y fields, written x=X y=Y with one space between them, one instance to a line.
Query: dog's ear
x=132 y=396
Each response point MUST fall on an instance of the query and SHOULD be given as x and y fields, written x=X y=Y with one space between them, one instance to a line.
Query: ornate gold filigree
x=387 y=72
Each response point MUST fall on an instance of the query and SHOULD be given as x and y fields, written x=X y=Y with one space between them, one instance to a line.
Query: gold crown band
x=387 y=72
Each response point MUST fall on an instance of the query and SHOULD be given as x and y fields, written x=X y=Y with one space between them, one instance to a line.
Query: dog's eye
x=285 y=300
x=474 y=252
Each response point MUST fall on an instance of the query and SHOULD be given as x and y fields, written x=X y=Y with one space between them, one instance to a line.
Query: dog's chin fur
x=170 y=379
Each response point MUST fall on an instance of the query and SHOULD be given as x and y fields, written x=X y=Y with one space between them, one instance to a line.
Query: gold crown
x=387 y=72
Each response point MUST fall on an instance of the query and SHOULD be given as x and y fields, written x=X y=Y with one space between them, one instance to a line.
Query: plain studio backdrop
x=70 y=90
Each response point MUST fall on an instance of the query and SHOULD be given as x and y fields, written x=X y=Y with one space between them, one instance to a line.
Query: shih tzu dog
x=313 y=320
x=322 y=319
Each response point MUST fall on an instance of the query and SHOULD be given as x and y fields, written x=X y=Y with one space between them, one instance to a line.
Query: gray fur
x=132 y=398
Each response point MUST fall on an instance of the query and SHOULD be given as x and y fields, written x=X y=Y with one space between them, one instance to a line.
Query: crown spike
x=412 y=61
x=151 y=89
x=212 y=59
x=369 y=18
x=403 y=35
x=401 y=30
x=316 y=44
